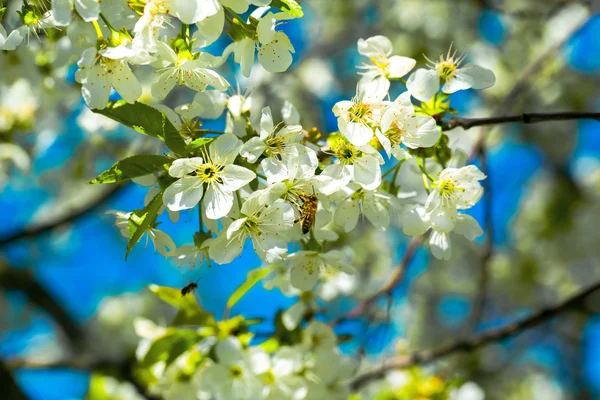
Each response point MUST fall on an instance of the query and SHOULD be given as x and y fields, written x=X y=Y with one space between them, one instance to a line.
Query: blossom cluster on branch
x=295 y=193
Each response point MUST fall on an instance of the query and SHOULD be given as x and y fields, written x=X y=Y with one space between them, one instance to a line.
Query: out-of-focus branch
x=395 y=279
x=62 y=219
x=488 y=247
x=8 y=387
x=23 y=280
x=532 y=118
x=478 y=340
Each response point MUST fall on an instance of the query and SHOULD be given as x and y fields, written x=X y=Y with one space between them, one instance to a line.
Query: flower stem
x=394 y=168
x=108 y=24
x=98 y=30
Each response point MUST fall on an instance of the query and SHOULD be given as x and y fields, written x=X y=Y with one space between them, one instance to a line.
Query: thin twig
x=388 y=287
x=478 y=340
x=531 y=118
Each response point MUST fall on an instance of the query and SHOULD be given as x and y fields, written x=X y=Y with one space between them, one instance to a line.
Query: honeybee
x=189 y=288
x=308 y=211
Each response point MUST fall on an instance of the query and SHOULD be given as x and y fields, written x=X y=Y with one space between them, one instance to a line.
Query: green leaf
x=146 y=120
x=253 y=278
x=170 y=346
x=198 y=143
x=291 y=7
x=141 y=220
x=190 y=312
x=173 y=139
x=133 y=167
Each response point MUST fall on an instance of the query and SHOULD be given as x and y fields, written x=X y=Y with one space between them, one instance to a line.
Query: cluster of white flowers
x=277 y=186
x=297 y=194
x=229 y=368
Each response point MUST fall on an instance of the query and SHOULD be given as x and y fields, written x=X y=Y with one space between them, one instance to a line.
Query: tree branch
x=23 y=280
x=488 y=247
x=475 y=341
x=532 y=118
x=8 y=386
x=388 y=287
x=59 y=220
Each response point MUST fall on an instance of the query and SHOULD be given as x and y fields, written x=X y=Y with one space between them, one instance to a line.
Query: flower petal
x=400 y=66
x=252 y=149
x=423 y=84
x=183 y=194
x=235 y=177
x=184 y=166
x=276 y=56
x=415 y=222
x=225 y=148
x=375 y=46
x=217 y=202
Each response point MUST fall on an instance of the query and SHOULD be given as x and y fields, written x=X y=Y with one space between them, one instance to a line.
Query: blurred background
x=65 y=285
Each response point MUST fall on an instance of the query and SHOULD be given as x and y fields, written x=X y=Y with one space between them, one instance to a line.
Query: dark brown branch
x=8 y=386
x=39 y=229
x=532 y=118
x=388 y=287
x=17 y=279
x=478 y=340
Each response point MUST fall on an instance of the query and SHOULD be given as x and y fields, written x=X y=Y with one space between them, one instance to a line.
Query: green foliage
x=146 y=120
x=142 y=220
x=133 y=167
x=253 y=278
x=189 y=311
x=291 y=7
x=170 y=346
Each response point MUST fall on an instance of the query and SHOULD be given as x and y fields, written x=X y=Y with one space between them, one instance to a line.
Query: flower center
x=235 y=371
x=380 y=62
x=269 y=378
x=447 y=187
x=447 y=68
x=394 y=134
x=210 y=173
x=345 y=151
x=276 y=146
x=360 y=112
x=251 y=226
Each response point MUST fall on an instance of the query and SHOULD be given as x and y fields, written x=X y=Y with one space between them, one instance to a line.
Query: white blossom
x=265 y=225
x=399 y=125
x=375 y=81
x=424 y=83
x=216 y=170
x=184 y=69
x=307 y=266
